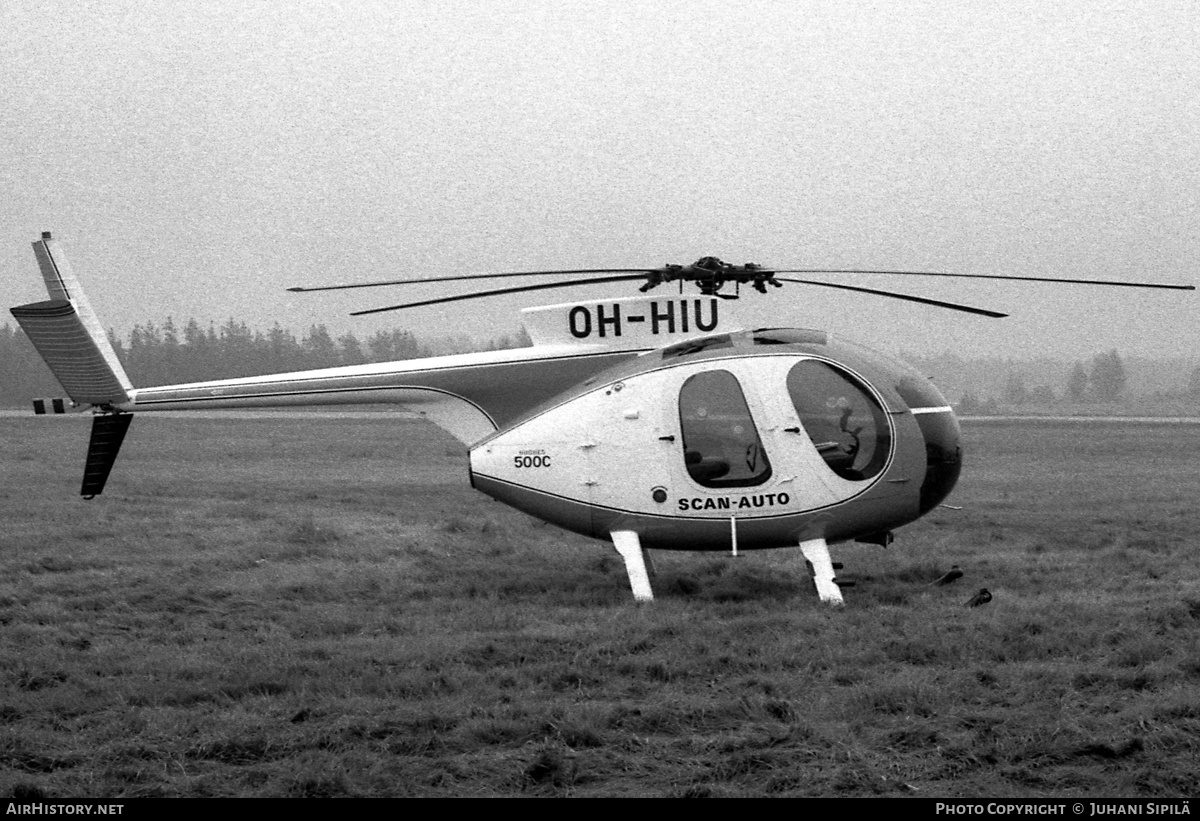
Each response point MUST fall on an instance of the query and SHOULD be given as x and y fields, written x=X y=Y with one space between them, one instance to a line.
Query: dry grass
x=323 y=607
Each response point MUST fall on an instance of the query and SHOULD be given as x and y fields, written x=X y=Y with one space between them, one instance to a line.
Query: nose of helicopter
x=943 y=440
x=943 y=456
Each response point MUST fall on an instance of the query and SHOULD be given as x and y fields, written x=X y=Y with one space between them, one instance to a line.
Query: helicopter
x=652 y=422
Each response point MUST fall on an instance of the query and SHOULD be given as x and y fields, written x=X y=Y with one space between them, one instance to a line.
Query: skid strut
x=636 y=559
x=817 y=553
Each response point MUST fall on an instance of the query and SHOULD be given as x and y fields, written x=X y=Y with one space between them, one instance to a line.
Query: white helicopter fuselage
x=748 y=440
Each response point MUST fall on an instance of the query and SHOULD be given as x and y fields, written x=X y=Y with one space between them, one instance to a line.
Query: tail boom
x=469 y=395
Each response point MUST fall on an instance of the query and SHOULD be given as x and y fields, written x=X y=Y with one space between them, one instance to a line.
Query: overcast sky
x=196 y=159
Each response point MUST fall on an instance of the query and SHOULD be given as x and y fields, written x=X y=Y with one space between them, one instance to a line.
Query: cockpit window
x=721 y=446
x=845 y=423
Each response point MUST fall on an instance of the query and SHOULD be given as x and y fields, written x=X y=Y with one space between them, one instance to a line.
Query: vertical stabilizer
x=108 y=431
x=68 y=334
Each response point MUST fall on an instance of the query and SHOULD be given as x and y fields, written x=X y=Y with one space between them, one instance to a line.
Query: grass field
x=299 y=606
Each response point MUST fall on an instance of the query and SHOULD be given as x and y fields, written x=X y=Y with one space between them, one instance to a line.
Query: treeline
x=1105 y=380
x=155 y=354
x=164 y=354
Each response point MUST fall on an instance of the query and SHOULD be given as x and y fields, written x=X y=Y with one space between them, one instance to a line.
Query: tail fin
x=68 y=335
x=108 y=431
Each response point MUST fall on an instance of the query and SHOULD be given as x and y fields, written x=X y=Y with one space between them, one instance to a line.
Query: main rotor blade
x=303 y=289
x=989 y=276
x=923 y=300
x=498 y=292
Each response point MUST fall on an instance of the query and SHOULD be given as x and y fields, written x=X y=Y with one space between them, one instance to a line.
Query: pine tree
x=1108 y=376
x=351 y=352
x=1078 y=383
x=319 y=348
x=284 y=352
x=1015 y=392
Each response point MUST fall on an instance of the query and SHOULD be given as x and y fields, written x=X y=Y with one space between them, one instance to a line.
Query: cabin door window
x=721 y=445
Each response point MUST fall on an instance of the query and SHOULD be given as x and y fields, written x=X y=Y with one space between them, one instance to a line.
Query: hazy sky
x=196 y=159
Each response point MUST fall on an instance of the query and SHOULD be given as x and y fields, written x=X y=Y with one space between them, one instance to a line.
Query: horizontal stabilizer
x=80 y=364
x=108 y=432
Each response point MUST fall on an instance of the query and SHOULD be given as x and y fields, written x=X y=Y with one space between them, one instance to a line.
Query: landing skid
x=640 y=567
